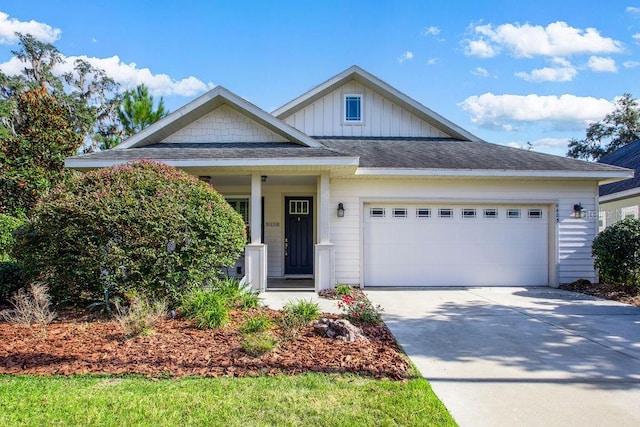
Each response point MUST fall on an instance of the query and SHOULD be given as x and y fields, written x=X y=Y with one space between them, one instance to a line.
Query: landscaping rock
x=340 y=329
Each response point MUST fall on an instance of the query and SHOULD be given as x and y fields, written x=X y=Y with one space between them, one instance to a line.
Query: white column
x=324 y=256
x=256 y=252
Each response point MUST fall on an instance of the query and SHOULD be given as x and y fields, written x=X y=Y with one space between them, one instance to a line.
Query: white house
x=621 y=199
x=355 y=182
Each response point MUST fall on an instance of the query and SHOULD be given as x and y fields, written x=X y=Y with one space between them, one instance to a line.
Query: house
x=355 y=182
x=619 y=200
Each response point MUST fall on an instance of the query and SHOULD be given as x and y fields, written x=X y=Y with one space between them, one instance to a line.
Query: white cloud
x=431 y=31
x=408 y=55
x=481 y=72
x=433 y=61
x=561 y=71
x=556 y=39
x=630 y=64
x=481 y=49
x=602 y=65
x=39 y=30
x=567 y=110
x=558 y=146
x=128 y=75
x=633 y=10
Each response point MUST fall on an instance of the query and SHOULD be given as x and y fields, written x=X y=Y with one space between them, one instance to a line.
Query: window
x=535 y=213
x=490 y=213
x=399 y=212
x=468 y=213
x=423 y=213
x=513 y=213
x=353 y=108
x=376 y=212
x=241 y=205
x=298 y=207
x=445 y=213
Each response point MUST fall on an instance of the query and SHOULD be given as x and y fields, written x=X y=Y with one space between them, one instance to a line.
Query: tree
x=137 y=111
x=617 y=129
x=33 y=151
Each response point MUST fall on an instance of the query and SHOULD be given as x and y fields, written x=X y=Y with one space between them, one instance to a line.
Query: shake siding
x=224 y=124
x=572 y=252
x=382 y=118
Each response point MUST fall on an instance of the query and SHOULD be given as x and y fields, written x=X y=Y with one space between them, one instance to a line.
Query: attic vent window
x=353 y=108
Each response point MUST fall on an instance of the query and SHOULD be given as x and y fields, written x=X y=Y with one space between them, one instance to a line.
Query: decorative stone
x=340 y=329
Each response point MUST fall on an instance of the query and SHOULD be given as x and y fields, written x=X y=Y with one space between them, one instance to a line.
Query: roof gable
x=206 y=109
x=383 y=98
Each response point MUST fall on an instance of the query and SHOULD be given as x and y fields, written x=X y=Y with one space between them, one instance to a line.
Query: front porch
x=288 y=219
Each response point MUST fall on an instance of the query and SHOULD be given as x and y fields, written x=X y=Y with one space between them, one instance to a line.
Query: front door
x=298 y=235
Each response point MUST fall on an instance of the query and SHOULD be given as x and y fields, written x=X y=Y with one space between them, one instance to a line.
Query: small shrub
x=141 y=316
x=343 y=290
x=617 y=253
x=237 y=292
x=296 y=316
x=259 y=343
x=11 y=279
x=256 y=323
x=207 y=308
x=30 y=307
x=361 y=311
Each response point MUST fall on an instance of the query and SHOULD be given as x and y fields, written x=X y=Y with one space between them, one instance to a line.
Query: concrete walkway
x=521 y=356
x=277 y=300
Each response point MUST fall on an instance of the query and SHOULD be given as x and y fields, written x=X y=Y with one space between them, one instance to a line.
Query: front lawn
x=309 y=399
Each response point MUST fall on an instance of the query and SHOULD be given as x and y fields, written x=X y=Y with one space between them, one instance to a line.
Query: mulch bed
x=627 y=295
x=73 y=344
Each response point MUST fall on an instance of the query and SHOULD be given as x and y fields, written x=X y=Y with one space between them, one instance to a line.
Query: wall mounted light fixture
x=578 y=211
x=263 y=178
x=340 y=210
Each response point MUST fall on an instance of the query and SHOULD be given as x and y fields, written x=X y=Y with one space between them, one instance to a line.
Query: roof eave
x=600 y=176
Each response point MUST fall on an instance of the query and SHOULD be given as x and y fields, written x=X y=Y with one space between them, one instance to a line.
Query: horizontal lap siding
x=381 y=117
x=574 y=235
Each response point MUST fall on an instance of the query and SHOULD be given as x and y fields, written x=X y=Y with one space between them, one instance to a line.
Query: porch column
x=256 y=252
x=324 y=265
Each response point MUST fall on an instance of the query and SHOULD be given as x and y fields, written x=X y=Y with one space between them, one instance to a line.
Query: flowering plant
x=361 y=311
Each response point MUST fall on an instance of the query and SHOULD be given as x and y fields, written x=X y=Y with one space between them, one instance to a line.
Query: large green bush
x=143 y=227
x=617 y=253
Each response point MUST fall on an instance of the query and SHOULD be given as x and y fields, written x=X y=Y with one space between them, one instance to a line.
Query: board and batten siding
x=381 y=117
x=224 y=124
x=570 y=238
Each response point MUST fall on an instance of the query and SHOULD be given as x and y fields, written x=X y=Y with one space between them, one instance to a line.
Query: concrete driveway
x=521 y=356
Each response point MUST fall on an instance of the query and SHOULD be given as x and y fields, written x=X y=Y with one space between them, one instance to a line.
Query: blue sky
x=509 y=72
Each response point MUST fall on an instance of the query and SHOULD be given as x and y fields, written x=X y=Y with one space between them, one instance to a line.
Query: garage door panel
x=456 y=251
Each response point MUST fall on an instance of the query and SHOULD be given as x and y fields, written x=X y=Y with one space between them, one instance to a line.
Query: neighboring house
x=621 y=199
x=354 y=182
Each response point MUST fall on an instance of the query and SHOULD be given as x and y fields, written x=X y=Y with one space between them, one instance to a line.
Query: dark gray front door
x=298 y=235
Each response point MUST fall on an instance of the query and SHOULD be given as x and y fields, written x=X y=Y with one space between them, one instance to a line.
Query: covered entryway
x=455 y=245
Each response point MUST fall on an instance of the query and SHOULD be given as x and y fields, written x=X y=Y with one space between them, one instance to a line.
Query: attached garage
x=456 y=245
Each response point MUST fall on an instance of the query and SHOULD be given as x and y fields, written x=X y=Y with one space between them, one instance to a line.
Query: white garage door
x=455 y=245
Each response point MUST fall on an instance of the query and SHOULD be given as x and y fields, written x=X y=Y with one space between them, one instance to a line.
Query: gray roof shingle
x=626 y=157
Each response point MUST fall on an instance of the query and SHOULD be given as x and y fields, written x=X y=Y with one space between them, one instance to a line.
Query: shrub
x=11 y=279
x=360 y=311
x=142 y=226
x=8 y=225
x=237 y=292
x=343 y=290
x=30 y=307
x=259 y=343
x=141 y=316
x=296 y=316
x=256 y=323
x=617 y=253
x=207 y=308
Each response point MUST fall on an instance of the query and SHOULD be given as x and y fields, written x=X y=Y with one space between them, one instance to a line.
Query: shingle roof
x=430 y=153
x=211 y=151
x=626 y=157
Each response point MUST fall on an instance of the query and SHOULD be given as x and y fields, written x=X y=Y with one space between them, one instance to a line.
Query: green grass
x=311 y=399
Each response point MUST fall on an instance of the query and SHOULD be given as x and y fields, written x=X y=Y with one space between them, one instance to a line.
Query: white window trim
x=344 y=109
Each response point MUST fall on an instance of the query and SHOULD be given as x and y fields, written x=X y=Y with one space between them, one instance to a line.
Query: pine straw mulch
x=74 y=344
x=627 y=295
